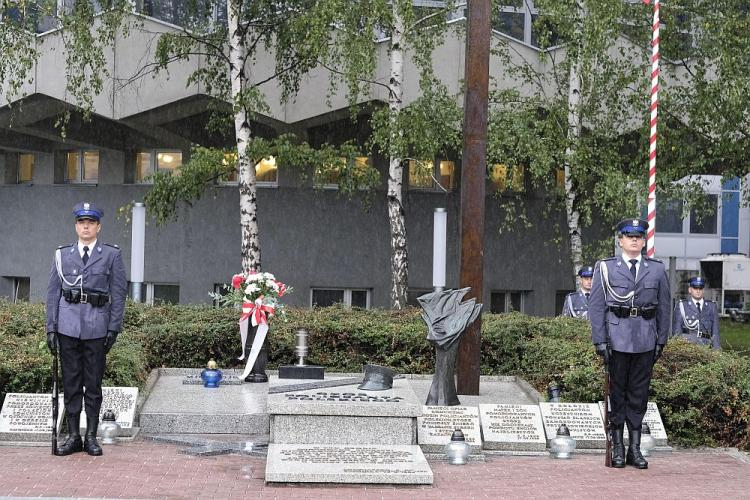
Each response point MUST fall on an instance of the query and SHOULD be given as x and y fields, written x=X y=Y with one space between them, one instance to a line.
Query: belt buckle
x=633 y=312
x=84 y=298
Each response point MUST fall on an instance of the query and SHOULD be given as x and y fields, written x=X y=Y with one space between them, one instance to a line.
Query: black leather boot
x=635 y=458
x=618 y=448
x=89 y=442
x=73 y=444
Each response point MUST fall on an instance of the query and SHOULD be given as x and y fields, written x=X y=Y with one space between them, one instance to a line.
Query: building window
x=413 y=293
x=350 y=297
x=149 y=162
x=82 y=166
x=560 y=297
x=162 y=293
x=20 y=288
x=519 y=19
x=329 y=177
x=670 y=216
x=706 y=223
x=266 y=171
x=25 y=167
x=506 y=178
x=220 y=289
x=507 y=301
x=429 y=174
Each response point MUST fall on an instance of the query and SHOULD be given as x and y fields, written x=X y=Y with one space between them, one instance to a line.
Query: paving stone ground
x=145 y=469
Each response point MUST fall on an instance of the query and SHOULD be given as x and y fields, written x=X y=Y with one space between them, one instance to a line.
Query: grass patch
x=735 y=336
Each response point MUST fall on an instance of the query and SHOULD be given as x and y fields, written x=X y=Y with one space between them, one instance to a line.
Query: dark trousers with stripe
x=82 y=363
x=630 y=377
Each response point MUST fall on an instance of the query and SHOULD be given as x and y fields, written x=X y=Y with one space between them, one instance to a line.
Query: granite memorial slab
x=28 y=417
x=370 y=464
x=654 y=421
x=195 y=379
x=122 y=401
x=511 y=427
x=437 y=423
x=583 y=419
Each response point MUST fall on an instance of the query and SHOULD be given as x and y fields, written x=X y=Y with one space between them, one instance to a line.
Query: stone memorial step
x=510 y=427
x=176 y=408
x=437 y=423
x=365 y=463
x=584 y=420
x=345 y=415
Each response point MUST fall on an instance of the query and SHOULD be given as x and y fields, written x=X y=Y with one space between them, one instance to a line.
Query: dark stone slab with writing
x=511 y=427
x=583 y=419
x=437 y=423
x=310 y=372
x=320 y=463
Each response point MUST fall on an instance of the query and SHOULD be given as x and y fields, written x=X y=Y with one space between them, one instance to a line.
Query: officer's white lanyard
x=58 y=265
x=604 y=275
x=573 y=312
x=690 y=325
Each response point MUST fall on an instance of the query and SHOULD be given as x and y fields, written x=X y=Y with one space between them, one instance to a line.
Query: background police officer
x=629 y=310
x=577 y=303
x=85 y=304
x=696 y=319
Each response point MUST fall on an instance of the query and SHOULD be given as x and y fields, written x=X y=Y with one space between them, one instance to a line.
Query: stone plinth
x=368 y=463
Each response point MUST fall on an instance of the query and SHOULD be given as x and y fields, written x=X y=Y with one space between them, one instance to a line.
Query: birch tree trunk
x=574 y=133
x=399 y=255
x=250 y=244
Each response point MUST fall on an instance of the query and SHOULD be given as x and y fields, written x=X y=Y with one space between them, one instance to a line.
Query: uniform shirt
x=576 y=305
x=706 y=321
x=91 y=246
x=651 y=289
x=104 y=273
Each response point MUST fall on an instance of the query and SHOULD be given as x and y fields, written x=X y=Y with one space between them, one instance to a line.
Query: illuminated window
x=507 y=178
x=427 y=174
x=266 y=171
x=329 y=176
x=350 y=297
x=82 y=166
x=149 y=162
x=25 y=167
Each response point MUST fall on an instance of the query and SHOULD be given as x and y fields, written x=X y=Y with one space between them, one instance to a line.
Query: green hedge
x=703 y=395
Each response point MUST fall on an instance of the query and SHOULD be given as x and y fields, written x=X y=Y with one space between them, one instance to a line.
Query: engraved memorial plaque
x=25 y=413
x=320 y=463
x=653 y=419
x=121 y=400
x=437 y=423
x=512 y=427
x=583 y=419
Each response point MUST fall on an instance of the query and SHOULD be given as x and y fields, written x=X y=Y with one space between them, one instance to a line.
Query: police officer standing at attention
x=629 y=310
x=696 y=319
x=577 y=303
x=85 y=304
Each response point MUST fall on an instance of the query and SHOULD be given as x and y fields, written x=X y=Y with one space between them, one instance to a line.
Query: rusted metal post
x=473 y=175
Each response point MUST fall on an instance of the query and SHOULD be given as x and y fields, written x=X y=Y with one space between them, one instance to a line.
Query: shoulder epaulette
x=112 y=245
x=64 y=246
x=614 y=257
x=711 y=301
x=654 y=260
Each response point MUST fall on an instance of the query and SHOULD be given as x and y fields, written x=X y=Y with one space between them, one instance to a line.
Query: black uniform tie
x=698 y=304
x=633 y=270
x=587 y=295
x=85 y=255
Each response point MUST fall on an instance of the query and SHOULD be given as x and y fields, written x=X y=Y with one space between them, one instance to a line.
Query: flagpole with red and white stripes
x=651 y=217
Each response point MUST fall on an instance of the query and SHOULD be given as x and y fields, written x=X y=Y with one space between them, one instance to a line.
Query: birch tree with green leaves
x=422 y=129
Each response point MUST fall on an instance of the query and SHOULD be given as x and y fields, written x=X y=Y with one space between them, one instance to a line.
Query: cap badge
x=86 y=206
x=635 y=222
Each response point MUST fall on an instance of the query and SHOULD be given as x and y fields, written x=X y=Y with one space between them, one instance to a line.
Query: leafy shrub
x=703 y=395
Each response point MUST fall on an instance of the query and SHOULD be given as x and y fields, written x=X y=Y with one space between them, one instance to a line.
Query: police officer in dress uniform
x=696 y=319
x=85 y=304
x=577 y=303
x=630 y=324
